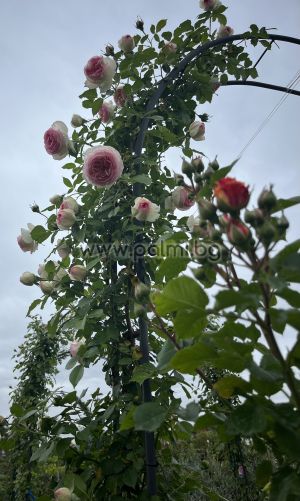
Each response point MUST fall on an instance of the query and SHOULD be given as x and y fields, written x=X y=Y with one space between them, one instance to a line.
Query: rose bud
x=78 y=272
x=267 y=200
x=254 y=217
x=266 y=232
x=207 y=209
x=107 y=112
x=214 y=164
x=238 y=233
x=63 y=250
x=139 y=24
x=28 y=278
x=77 y=121
x=215 y=84
x=99 y=72
x=181 y=198
x=65 y=219
x=47 y=287
x=231 y=195
x=179 y=179
x=42 y=271
x=197 y=131
x=63 y=494
x=56 y=140
x=224 y=221
x=224 y=31
x=187 y=168
x=102 y=166
x=193 y=224
x=25 y=240
x=283 y=223
x=209 y=4
x=141 y=292
x=144 y=210
x=120 y=97
x=126 y=43
x=170 y=48
x=74 y=347
x=60 y=274
x=35 y=208
x=70 y=203
x=56 y=200
x=198 y=164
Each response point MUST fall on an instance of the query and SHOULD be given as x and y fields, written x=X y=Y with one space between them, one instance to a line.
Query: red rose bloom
x=231 y=195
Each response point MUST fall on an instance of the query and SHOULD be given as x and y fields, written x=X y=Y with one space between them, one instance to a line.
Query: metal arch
x=150 y=456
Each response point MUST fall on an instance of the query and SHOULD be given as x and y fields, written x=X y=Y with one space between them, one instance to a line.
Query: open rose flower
x=74 y=347
x=209 y=4
x=56 y=140
x=197 y=131
x=102 y=166
x=231 y=195
x=63 y=494
x=120 y=97
x=25 y=240
x=70 y=203
x=180 y=198
x=126 y=43
x=224 y=31
x=169 y=48
x=107 y=112
x=99 y=72
x=144 y=210
x=238 y=233
x=65 y=219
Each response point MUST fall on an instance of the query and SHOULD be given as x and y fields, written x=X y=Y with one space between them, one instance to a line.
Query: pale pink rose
x=120 y=97
x=99 y=72
x=107 y=112
x=25 y=240
x=193 y=223
x=42 y=271
x=63 y=494
x=74 y=347
x=63 y=250
x=181 y=198
x=56 y=140
x=209 y=4
x=47 y=287
x=224 y=31
x=78 y=272
x=77 y=121
x=197 y=131
x=144 y=210
x=102 y=166
x=27 y=278
x=70 y=203
x=170 y=48
x=126 y=43
x=65 y=219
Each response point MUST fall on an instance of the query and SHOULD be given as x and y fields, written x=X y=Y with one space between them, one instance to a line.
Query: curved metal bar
x=263 y=85
x=137 y=191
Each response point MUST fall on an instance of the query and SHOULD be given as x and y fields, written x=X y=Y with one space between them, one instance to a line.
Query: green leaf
x=189 y=323
x=71 y=363
x=165 y=355
x=40 y=234
x=241 y=299
x=286 y=203
x=33 y=305
x=181 y=293
x=160 y=25
x=142 y=372
x=248 y=419
x=189 y=359
x=291 y=296
x=76 y=375
x=67 y=182
x=149 y=416
x=16 y=410
x=227 y=385
x=263 y=473
x=142 y=179
x=190 y=413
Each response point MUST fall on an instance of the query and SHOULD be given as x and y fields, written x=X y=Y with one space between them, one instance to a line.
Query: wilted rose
x=197 y=131
x=120 y=96
x=102 y=166
x=65 y=219
x=231 y=195
x=126 y=43
x=145 y=210
x=99 y=72
x=25 y=240
x=56 y=140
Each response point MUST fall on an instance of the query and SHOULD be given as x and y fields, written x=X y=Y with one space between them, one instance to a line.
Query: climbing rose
x=47 y=287
x=77 y=272
x=237 y=232
x=25 y=240
x=27 y=278
x=77 y=121
x=107 y=111
x=56 y=140
x=231 y=195
x=102 y=166
x=144 y=210
x=209 y=4
x=193 y=223
x=70 y=203
x=170 y=48
x=180 y=198
x=197 y=131
x=56 y=199
x=126 y=43
x=74 y=347
x=224 y=31
x=120 y=97
x=65 y=219
x=63 y=494
x=99 y=72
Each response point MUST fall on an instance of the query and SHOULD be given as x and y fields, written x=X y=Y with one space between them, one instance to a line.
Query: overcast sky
x=43 y=49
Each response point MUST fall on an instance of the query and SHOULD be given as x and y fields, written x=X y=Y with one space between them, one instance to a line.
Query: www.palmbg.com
x=211 y=251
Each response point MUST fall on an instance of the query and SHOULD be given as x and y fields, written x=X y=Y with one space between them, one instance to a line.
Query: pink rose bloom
x=74 y=347
x=56 y=140
x=126 y=43
x=197 y=131
x=209 y=4
x=107 y=112
x=63 y=494
x=78 y=272
x=180 y=198
x=25 y=240
x=120 y=97
x=99 y=72
x=144 y=210
x=224 y=31
x=70 y=203
x=102 y=166
x=65 y=219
